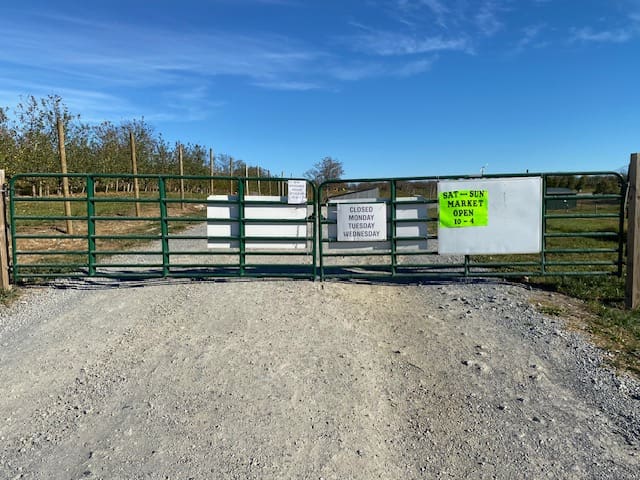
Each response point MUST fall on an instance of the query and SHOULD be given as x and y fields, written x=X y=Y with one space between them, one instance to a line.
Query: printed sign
x=464 y=208
x=501 y=216
x=297 y=192
x=362 y=222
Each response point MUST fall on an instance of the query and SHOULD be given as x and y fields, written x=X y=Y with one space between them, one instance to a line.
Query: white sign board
x=297 y=192
x=362 y=222
x=490 y=216
x=223 y=215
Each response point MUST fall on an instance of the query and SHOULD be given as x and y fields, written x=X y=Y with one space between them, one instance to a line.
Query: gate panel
x=171 y=237
x=582 y=230
x=218 y=227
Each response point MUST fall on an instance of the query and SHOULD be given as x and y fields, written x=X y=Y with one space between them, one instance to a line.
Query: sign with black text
x=487 y=216
x=362 y=222
x=296 y=192
x=464 y=208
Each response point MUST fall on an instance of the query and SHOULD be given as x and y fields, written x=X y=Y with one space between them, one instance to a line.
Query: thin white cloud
x=604 y=36
x=93 y=105
x=390 y=43
x=436 y=8
x=180 y=67
x=96 y=105
x=356 y=71
x=486 y=19
x=288 y=85
x=413 y=68
x=394 y=38
x=121 y=55
x=531 y=38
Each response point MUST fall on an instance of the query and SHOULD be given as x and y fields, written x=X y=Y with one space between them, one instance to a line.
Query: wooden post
x=65 y=179
x=246 y=175
x=230 y=174
x=4 y=240
x=181 y=174
x=259 y=189
x=632 y=297
x=211 y=167
x=134 y=170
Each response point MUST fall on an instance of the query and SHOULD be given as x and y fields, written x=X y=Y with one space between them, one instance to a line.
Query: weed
x=7 y=297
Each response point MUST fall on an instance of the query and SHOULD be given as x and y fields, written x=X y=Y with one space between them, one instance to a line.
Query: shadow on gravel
x=106 y=283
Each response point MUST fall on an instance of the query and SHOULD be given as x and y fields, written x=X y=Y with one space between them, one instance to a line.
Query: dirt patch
x=103 y=227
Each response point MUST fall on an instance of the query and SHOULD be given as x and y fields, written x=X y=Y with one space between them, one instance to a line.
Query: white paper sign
x=297 y=192
x=362 y=222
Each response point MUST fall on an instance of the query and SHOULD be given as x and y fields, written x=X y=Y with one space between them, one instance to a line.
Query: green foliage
x=29 y=143
x=598 y=184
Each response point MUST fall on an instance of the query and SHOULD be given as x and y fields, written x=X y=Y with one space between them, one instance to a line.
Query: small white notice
x=362 y=222
x=297 y=192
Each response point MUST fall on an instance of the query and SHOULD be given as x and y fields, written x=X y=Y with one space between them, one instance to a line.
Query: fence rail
x=217 y=229
x=110 y=240
x=580 y=237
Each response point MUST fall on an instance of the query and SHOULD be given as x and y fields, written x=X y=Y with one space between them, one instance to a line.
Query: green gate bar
x=575 y=241
x=583 y=237
x=111 y=241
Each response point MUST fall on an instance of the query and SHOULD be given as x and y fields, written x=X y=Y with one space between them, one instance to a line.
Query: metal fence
x=172 y=235
x=199 y=227
x=582 y=233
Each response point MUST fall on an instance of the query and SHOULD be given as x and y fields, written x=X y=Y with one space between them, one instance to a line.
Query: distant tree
x=326 y=169
x=29 y=143
x=7 y=141
x=606 y=184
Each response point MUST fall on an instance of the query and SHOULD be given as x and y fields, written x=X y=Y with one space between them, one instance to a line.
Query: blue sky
x=388 y=87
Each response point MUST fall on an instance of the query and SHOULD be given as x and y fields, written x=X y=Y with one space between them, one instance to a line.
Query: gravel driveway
x=296 y=379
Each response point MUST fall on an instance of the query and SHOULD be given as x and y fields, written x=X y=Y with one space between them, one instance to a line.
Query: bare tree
x=326 y=169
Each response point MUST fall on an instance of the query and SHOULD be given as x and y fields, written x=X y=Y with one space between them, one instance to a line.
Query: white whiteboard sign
x=506 y=214
x=362 y=222
x=297 y=192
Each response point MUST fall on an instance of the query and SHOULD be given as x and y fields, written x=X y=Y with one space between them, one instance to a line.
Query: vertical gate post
x=91 y=226
x=65 y=178
x=164 y=225
x=134 y=170
x=211 y=170
x=181 y=165
x=632 y=297
x=4 y=246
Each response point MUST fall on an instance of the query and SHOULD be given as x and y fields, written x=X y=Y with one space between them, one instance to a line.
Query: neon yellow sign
x=464 y=208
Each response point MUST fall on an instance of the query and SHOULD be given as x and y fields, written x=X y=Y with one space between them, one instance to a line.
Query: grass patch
x=8 y=297
x=551 y=310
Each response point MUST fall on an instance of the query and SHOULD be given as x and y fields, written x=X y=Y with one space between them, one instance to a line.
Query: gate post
x=632 y=296
x=4 y=245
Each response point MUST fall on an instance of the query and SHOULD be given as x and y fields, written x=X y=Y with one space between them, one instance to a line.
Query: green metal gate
x=175 y=228
x=582 y=230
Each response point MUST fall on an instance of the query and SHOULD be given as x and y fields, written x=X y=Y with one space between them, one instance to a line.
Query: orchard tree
x=326 y=169
x=7 y=141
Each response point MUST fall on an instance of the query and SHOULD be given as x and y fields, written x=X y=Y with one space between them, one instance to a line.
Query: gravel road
x=296 y=379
